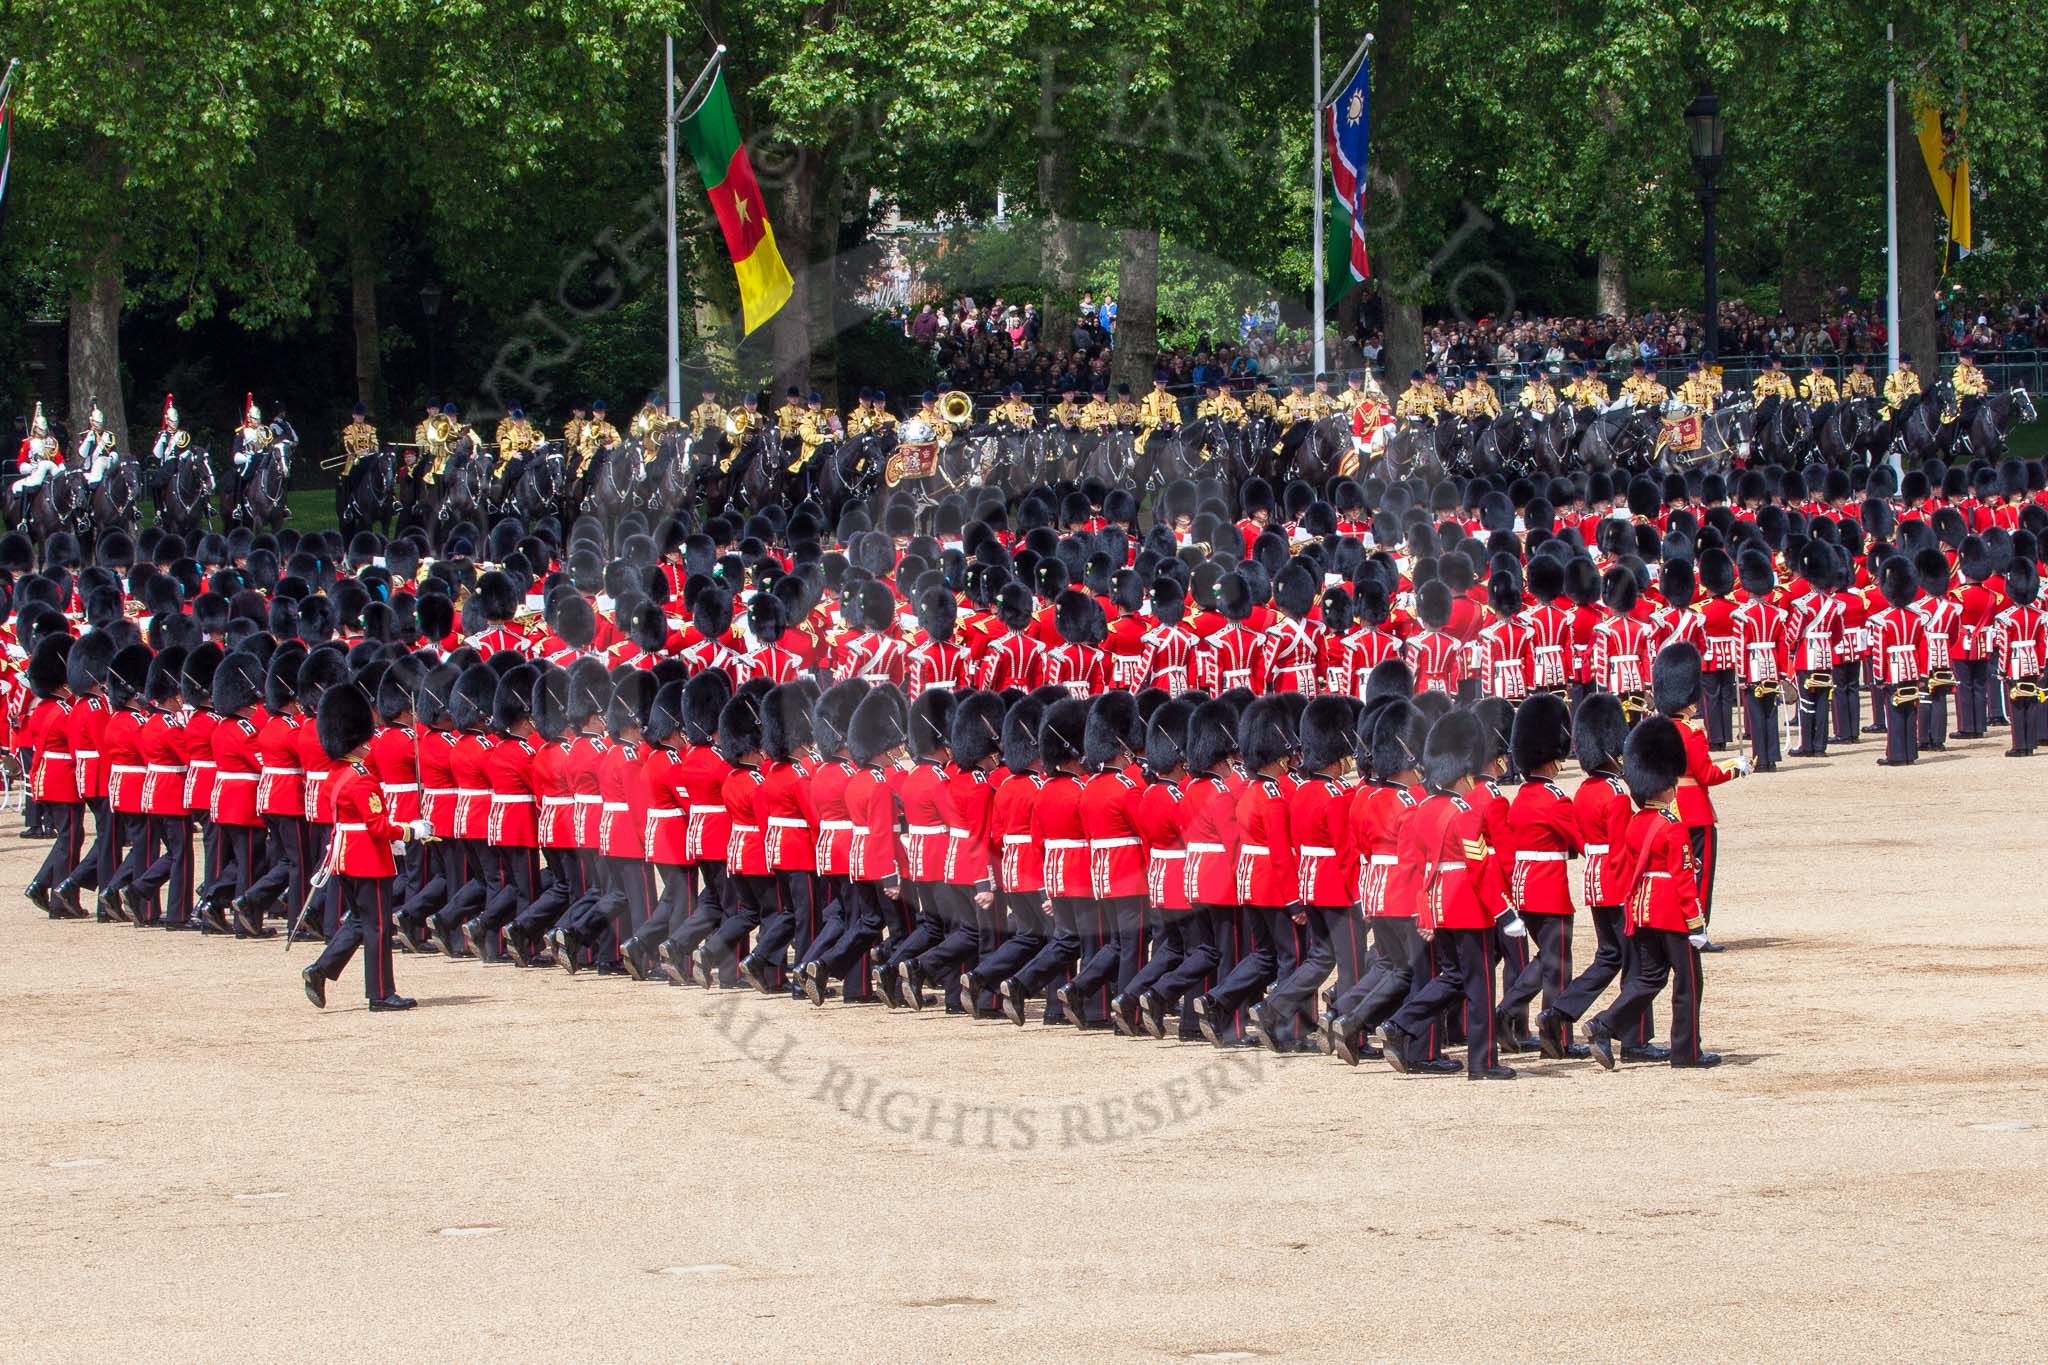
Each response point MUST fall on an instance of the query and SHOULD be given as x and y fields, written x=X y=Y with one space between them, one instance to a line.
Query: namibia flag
x=713 y=136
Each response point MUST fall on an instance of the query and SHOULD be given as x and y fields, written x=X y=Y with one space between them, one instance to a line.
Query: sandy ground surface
x=198 y=1166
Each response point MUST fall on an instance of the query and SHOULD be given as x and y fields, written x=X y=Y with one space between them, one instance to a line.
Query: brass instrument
x=956 y=407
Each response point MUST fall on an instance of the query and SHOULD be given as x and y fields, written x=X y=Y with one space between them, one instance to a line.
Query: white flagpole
x=676 y=110
x=668 y=166
x=1315 y=184
x=1891 y=229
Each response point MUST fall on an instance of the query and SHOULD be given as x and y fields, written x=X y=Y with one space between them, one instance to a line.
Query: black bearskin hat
x=162 y=687
x=633 y=692
x=767 y=617
x=1433 y=604
x=834 y=714
x=1212 y=735
x=344 y=722
x=1166 y=736
x=1390 y=677
x=237 y=683
x=1599 y=729
x=1896 y=580
x=1079 y=618
x=1265 y=733
x=1453 y=749
x=1542 y=732
x=930 y=723
x=876 y=726
x=396 y=689
x=1397 y=738
x=704 y=699
x=1115 y=731
x=1653 y=759
x=739 y=730
x=469 y=702
x=514 y=700
x=1716 y=572
x=281 y=683
x=49 y=667
x=86 y=671
x=664 y=713
x=1294 y=590
x=1063 y=733
x=977 y=729
x=495 y=595
x=786 y=720
x=1329 y=732
x=1020 y=734
x=1675 y=677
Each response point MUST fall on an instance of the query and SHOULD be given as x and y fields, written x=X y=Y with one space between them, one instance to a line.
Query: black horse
x=185 y=502
x=1984 y=428
x=364 y=498
x=113 y=499
x=263 y=491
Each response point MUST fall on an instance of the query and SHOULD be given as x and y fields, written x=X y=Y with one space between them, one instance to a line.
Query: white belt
x=663 y=813
x=952 y=833
x=615 y=805
x=87 y=753
x=1205 y=848
x=707 y=810
x=746 y=829
x=195 y=763
x=235 y=777
x=588 y=798
x=165 y=768
x=825 y=825
x=497 y=800
x=273 y=772
x=394 y=788
x=1311 y=851
x=1114 y=843
x=1383 y=860
x=1593 y=850
x=1062 y=845
x=1656 y=874
x=557 y=801
x=352 y=829
x=1016 y=838
x=472 y=791
x=1523 y=855
x=787 y=822
x=1170 y=853
x=1256 y=850
x=923 y=830
x=120 y=768
x=440 y=791
x=54 y=753
x=1450 y=867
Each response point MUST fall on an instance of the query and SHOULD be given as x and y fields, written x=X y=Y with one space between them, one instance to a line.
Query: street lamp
x=1703 y=131
x=430 y=304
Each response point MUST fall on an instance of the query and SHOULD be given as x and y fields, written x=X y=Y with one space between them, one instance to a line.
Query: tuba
x=956 y=407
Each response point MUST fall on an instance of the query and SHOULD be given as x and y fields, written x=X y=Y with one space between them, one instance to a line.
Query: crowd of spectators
x=986 y=348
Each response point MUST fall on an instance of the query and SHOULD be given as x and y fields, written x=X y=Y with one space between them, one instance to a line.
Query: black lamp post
x=430 y=304
x=1703 y=131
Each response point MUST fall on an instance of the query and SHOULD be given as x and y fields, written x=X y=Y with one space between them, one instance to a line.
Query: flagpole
x=1315 y=184
x=7 y=80
x=1891 y=228
x=668 y=158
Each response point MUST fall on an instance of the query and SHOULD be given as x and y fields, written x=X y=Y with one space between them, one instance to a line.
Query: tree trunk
x=96 y=346
x=1059 y=255
x=1612 y=298
x=362 y=280
x=1135 y=346
x=1922 y=232
x=828 y=205
x=1802 y=292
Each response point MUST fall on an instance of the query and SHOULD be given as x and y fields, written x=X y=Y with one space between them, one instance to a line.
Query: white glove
x=1744 y=765
x=421 y=829
x=1513 y=927
x=1698 y=940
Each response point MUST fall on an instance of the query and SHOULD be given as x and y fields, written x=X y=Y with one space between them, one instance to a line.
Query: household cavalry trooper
x=1587 y=389
x=597 y=434
x=358 y=438
x=1965 y=382
x=1476 y=400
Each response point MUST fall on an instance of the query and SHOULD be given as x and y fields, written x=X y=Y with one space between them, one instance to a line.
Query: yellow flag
x=1950 y=170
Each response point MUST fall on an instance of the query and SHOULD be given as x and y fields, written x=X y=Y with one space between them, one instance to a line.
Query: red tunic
x=835 y=821
x=2022 y=639
x=925 y=821
x=502 y=639
x=790 y=816
x=48 y=733
x=700 y=776
x=1550 y=647
x=1663 y=891
x=514 y=820
x=1437 y=660
x=86 y=728
x=1294 y=655
x=557 y=828
x=667 y=800
x=1506 y=660
x=1378 y=815
x=471 y=765
x=1109 y=817
x=1209 y=831
x=621 y=827
x=437 y=780
x=970 y=809
x=1011 y=817
x=1319 y=817
x=1160 y=812
x=1542 y=828
x=199 y=763
x=1268 y=865
x=746 y=850
x=394 y=762
x=363 y=828
x=773 y=662
x=1234 y=656
x=1057 y=830
x=162 y=741
x=871 y=806
x=1722 y=650
x=1082 y=669
x=935 y=665
x=1169 y=652
x=1622 y=655
x=238 y=768
x=585 y=764
x=313 y=762
x=1602 y=809
x=1695 y=807
x=121 y=751
x=1763 y=644
x=1015 y=660
x=1458 y=883
x=1899 y=651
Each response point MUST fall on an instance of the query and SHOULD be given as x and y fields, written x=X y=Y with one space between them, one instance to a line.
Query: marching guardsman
x=1901 y=389
x=1013 y=411
x=2022 y=655
x=1097 y=414
x=1587 y=389
x=1698 y=391
x=517 y=438
x=1820 y=392
x=1666 y=917
x=1816 y=644
x=791 y=414
x=1542 y=829
x=359 y=859
x=231 y=806
x=1898 y=659
x=1763 y=656
x=1420 y=399
x=1675 y=688
x=1773 y=382
x=1642 y=388
x=1537 y=395
x=1858 y=382
x=54 y=779
x=1476 y=400
x=707 y=416
x=1965 y=381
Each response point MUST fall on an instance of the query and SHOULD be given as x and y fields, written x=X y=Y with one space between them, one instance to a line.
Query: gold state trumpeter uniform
x=706 y=416
x=358 y=439
x=1900 y=386
x=516 y=437
x=1013 y=412
x=1772 y=384
x=1646 y=392
x=1538 y=397
x=1476 y=399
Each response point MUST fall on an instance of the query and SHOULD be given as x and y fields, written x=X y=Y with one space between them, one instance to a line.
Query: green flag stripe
x=712 y=133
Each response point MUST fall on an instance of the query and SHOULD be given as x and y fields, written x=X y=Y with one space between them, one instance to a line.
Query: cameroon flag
x=713 y=136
